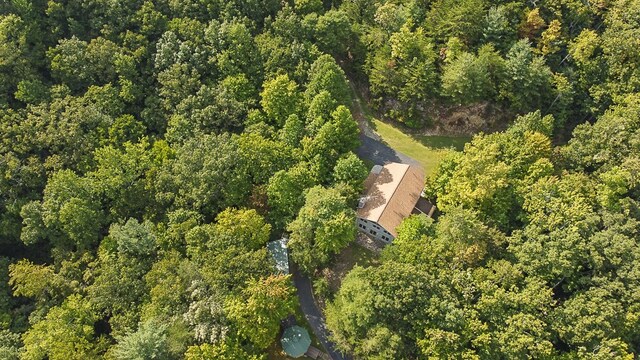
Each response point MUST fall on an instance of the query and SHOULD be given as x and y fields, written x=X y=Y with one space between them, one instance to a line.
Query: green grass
x=362 y=256
x=427 y=150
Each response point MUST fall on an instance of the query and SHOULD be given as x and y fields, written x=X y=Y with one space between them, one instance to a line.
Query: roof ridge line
x=394 y=192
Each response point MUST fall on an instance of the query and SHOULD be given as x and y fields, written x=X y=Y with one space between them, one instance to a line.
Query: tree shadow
x=442 y=142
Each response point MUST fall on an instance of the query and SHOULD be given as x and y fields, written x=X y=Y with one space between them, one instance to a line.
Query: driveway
x=373 y=149
x=313 y=314
x=371 y=146
x=379 y=153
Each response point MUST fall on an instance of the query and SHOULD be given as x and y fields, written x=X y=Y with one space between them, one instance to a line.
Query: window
x=373 y=232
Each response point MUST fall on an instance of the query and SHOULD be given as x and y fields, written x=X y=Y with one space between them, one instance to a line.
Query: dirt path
x=358 y=113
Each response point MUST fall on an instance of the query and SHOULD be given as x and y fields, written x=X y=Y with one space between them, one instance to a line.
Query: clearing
x=427 y=150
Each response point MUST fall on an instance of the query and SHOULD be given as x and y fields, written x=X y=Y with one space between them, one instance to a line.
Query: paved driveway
x=373 y=149
x=313 y=314
x=379 y=153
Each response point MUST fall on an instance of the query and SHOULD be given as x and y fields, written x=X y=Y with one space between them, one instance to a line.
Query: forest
x=149 y=150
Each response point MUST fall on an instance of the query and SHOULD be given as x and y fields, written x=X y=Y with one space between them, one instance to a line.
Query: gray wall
x=374 y=230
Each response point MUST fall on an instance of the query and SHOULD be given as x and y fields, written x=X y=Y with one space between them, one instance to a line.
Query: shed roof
x=393 y=195
x=278 y=250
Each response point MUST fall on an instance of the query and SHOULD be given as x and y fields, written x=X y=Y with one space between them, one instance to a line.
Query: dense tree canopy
x=531 y=258
x=566 y=58
x=323 y=227
x=150 y=149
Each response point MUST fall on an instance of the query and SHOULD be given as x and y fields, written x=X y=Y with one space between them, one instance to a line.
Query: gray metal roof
x=278 y=250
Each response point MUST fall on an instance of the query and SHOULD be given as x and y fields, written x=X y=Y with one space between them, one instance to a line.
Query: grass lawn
x=428 y=150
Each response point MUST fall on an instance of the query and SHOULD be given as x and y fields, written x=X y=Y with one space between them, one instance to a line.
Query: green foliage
x=324 y=226
x=148 y=342
x=466 y=80
x=494 y=174
x=352 y=171
x=326 y=75
x=320 y=109
x=65 y=333
x=38 y=282
x=149 y=148
x=529 y=78
x=607 y=142
x=462 y=19
x=6 y=300
x=15 y=64
x=333 y=33
x=362 y=313
x=10 y=344
x=280 y=98
x=68 y=215
x=133 y=238
x=118 y=287
x=120 y=177
x=285 y=193
x=308 y=6
x=170 y=281
x=497 y=29
x=292 y=132
x=243 y=227
x=268 y=300
x=557 y=283
x=78 y=64
x=207 y=175
x=405 y=69
x=117 y=155
x=334 y=138
x=126 y=128
x=622 y=23
x=263 y=157
x=228 y=350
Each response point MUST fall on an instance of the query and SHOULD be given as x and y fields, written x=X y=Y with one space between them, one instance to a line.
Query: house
x=392 y=193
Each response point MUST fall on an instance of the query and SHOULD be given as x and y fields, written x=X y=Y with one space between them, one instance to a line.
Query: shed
x=278 y=250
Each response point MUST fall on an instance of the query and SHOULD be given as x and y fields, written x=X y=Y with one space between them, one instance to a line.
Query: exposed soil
x=447 y=120
x=363 y=252
x=465 y=120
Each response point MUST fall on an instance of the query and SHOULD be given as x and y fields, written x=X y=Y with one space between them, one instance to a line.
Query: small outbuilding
x=278 y=250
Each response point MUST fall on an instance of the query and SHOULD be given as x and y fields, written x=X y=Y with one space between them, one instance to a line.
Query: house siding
x=374 y=230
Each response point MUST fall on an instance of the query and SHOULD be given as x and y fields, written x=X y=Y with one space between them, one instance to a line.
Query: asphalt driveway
x=313 y=314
